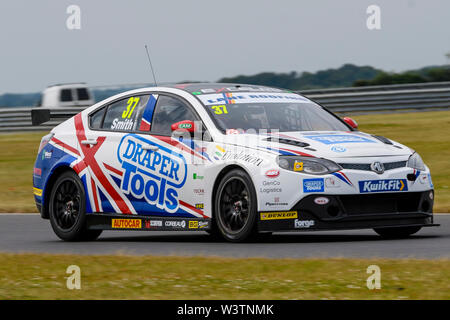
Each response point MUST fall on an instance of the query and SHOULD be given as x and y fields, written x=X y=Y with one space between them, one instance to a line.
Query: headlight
x=308 y=165
x=416 y=162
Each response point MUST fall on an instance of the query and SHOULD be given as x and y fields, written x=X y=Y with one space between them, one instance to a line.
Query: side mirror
x=186 y=125
x=352 y=123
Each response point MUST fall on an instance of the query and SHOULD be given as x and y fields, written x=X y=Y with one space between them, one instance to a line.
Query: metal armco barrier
x=393 y=98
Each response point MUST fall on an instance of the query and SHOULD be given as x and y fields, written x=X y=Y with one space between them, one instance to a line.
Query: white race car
x=234 y=160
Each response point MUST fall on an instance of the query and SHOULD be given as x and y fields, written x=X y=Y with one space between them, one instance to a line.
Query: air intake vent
x=288 y=141
x=382 y=139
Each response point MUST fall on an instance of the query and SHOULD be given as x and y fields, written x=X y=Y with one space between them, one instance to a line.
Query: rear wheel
x=397 y=232
x=68 y=209
x=235 y=207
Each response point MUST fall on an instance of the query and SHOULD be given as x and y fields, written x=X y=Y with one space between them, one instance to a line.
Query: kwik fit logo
x=383 y=185
x=151 y=171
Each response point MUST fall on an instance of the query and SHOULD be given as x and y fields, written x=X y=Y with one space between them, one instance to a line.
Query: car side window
x=125 y=114
x=95 y=119
x=66 y=95
x=168 y=111
x=82 y=94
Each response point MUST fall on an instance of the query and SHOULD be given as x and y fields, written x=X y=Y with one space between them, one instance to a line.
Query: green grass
x=18 y=153
x=37 y=276
x=426 y=132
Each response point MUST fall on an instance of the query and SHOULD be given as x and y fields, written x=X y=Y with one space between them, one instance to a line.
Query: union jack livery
x=229 y=159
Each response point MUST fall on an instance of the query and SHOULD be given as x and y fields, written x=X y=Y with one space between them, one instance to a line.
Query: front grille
x=366 y=166
x=370 y=205
x=384 y=202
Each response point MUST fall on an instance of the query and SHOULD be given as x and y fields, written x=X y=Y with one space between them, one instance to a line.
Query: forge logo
x=151 y=171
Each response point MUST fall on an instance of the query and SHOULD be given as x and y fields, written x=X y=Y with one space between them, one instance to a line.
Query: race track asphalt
x=22 y=233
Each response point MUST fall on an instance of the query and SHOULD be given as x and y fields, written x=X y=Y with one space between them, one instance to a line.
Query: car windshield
x=283 y=112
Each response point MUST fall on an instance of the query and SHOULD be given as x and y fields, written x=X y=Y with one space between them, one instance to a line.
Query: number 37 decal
x=220 y=109
x=131 y=104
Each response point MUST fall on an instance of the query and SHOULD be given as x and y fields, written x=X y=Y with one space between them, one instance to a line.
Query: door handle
x=91 y=142
x=150 y=147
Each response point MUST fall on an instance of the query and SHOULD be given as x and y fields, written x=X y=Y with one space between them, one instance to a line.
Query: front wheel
x=68 y=209
x=236 y=207
x=396 y=232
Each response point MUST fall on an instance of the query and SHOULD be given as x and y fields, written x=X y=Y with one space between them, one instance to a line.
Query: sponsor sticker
x=331 y=182
x=339 y=138
x=338 y=149
x=197 y=224
x=199 y=205
x=246 y=97
x=279 y=215
x=321 y=200
x=126 y=224
x=242 y=156
x=156 y=176
x=273 y=187
x=184 y=126
x=37 y=192
x=202 y=224
x=232 y=131
x=175 y=224
x=368 y=186
x=153 y=224
x=313 y=185
x=193 y=224
x=272 y=173
x=303 y=224
x=298 y=166
x=195 y=176
x=423 y=178
x=198 y=191
x=277 y=203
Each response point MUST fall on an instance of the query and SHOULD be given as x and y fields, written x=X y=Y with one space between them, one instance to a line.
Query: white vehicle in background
x=66 y=96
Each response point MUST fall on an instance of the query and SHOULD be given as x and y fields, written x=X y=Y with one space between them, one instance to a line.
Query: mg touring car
x=233 y=160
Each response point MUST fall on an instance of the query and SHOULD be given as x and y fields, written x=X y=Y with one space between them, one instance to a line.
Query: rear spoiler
x=40 y=115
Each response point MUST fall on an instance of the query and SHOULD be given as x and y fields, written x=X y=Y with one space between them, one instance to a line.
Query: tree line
x=344 y=76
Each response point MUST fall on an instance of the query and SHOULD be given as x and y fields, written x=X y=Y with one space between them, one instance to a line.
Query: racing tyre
x=236 y=207
x=67 y=208
x=396 y=232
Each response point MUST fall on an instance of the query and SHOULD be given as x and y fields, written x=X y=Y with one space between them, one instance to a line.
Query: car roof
x=197 y=88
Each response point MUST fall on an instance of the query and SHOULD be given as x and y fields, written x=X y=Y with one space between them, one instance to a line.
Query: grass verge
x=18 y=153
x=426 y=132
x=38 y=276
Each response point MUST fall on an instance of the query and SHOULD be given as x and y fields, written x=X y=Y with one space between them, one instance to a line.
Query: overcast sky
x=207 y=40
